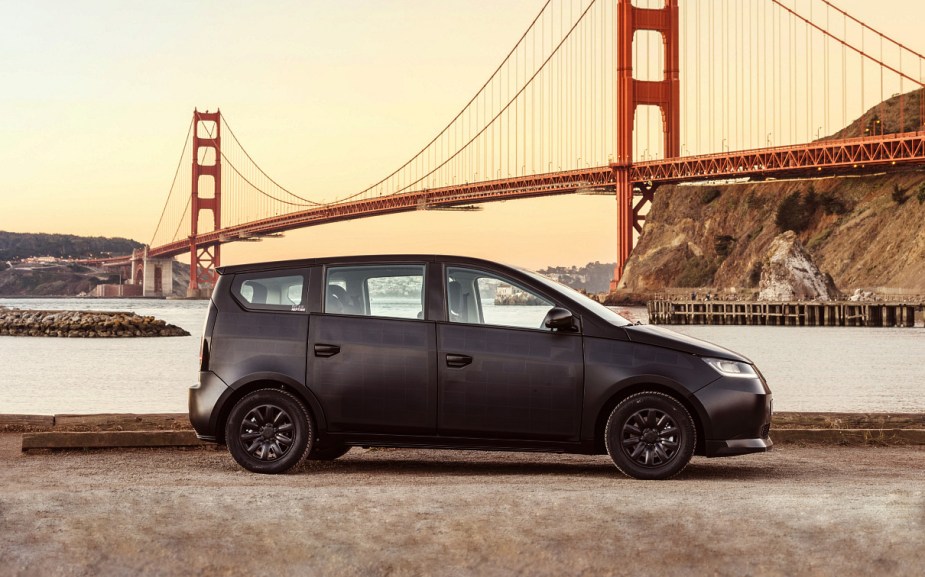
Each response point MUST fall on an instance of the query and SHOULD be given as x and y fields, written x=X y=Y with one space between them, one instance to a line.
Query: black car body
x=308 y=358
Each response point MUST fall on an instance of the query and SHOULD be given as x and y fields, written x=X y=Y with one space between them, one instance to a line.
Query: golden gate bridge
x=598 y=97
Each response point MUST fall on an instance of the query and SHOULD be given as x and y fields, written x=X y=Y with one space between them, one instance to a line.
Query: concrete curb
x=850 y=436
x=128 y=439
x=109 y=439
x=117 y=430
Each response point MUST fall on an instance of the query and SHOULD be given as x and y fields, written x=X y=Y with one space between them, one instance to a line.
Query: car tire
x=650 y=435
x=269 y=431
x=328 y=453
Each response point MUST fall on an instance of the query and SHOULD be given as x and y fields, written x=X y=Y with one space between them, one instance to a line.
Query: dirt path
x=795 y=511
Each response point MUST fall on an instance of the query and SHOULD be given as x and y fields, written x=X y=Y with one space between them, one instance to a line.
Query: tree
x=792 y=214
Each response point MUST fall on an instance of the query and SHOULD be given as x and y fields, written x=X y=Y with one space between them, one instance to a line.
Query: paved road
x=795 y=511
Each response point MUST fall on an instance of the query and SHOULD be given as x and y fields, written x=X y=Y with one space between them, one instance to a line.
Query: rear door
x=501 y=373
x=372 y=354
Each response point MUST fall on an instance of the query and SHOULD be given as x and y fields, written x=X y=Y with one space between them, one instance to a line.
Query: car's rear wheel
x=327 y=453
x=269 y=431
x=650 y=435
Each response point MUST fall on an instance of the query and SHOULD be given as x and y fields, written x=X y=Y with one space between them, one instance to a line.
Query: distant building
x=504 y=290
x=40 y=259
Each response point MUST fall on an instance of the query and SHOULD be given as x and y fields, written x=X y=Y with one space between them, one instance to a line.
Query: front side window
x=479 y=297
x=262 y=292
x=394 y=291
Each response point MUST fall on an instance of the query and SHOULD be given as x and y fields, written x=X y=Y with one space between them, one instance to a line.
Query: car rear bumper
x=203 y=397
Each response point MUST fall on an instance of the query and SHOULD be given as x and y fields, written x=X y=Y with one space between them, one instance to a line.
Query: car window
x=479 y=297
x=395 y=291
x=263 y=292
x=595 y=307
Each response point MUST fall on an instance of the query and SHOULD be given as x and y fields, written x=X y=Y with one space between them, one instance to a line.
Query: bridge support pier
x=625 y=221
x=664 y=93
x=154 y=276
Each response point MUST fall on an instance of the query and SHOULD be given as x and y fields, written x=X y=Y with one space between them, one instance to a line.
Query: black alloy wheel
x=650 y=435
x=269 y=431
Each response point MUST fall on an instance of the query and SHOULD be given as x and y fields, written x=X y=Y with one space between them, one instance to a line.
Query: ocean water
x=808 y=368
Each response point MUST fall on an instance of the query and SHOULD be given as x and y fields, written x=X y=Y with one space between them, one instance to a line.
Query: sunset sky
x=96 y=97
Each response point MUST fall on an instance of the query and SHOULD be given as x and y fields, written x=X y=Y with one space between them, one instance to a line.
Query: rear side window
x=282 y=291
x=393 y=291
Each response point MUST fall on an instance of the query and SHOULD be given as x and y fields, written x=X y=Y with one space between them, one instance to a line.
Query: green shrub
x=754 y=275
x=709 y=195
x=722 y=243
x=792 y=214
x=811 y=200
x=698 y=271
x=819 y=239
x=899 y=194
x=921 y=194
x=831 y=204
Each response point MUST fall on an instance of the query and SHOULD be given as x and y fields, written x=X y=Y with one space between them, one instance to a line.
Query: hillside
x=866 y=232
x=594 y=277
x=52 y=279
x=900 y=113
x=17 y=246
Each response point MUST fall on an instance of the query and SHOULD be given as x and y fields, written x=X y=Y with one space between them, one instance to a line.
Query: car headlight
x=732 y=368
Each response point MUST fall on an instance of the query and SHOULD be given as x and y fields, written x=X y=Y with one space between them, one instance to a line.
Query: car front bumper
x=738 y=411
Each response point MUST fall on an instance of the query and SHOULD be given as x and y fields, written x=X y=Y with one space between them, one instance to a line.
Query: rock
x=789 y=273
x=862 y=295
x=87 y=324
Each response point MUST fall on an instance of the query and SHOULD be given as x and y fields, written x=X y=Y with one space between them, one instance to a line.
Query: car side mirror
x=558 y=318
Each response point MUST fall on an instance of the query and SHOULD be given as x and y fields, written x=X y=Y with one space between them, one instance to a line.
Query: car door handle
x=326 y=350
x=457 y=361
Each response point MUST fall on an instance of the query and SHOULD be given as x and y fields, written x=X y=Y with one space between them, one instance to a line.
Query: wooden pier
x=802 y=314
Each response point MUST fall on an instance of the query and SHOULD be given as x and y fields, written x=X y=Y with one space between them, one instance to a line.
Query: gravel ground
x=794 y=511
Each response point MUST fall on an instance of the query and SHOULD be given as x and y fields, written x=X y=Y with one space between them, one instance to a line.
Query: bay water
x=848 y=369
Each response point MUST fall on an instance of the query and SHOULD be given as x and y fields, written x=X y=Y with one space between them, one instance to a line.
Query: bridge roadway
x=820 y=158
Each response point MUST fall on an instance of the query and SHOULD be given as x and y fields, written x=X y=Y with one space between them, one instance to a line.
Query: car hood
x=661 y=337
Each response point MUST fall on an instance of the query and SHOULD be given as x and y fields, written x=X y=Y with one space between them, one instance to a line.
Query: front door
x=371 y=354
x=501 y=373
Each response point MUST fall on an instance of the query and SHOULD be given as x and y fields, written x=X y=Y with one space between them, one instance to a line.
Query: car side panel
x=614 y=365
x=247 y=342
x=520 y=383
x=383 y=377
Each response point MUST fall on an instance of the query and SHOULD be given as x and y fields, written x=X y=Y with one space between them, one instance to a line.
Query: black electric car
x=307 y=358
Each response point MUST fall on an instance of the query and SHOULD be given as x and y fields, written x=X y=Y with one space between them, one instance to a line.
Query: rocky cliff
x=789 y=273
x=866 y=232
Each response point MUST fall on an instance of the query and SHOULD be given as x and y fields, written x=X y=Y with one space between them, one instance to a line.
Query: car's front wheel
x=650 y=435
x=269 y=431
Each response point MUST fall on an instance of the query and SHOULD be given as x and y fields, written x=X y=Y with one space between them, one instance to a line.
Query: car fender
x=255 y=381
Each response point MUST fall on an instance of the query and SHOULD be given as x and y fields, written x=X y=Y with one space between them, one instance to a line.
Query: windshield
x=590 y=304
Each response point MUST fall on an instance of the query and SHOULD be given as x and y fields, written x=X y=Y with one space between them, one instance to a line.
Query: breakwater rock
x=86 y=324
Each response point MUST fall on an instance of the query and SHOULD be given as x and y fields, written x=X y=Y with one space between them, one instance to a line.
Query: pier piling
x=803 y=314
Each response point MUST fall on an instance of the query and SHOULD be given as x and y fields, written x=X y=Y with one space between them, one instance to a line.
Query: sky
x=96 y=97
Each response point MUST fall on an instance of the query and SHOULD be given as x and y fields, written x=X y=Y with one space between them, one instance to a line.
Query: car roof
x=356 y=259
